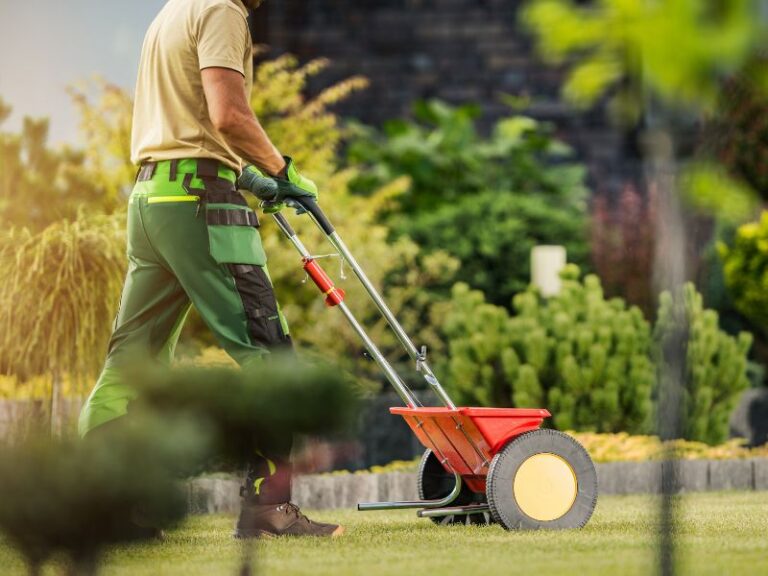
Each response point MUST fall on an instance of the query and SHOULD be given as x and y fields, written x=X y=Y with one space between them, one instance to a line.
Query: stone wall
x=462 y=51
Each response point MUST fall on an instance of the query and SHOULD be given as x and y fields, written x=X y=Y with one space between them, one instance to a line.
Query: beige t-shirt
x=170 y=117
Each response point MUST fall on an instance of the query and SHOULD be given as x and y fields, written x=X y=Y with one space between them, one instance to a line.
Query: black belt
x=216 y=190
x=206 y=169
x=146 y=171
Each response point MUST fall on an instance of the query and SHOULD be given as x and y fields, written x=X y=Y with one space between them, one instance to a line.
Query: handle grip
x=268 y=186
x=310 y=205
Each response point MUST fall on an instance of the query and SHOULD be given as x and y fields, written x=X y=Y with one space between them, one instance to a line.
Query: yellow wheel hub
x=545 y=487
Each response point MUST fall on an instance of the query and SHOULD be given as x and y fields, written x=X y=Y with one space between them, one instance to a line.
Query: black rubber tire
x=506 y=463
x=434 y=483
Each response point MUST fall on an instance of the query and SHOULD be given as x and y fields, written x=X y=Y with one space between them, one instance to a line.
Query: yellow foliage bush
x=623 y=447
x=59 y=289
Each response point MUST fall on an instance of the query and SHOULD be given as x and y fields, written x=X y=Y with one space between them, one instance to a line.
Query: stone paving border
x=217 y=495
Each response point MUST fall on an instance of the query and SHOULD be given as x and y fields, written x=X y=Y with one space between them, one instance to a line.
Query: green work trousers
x=192 y=241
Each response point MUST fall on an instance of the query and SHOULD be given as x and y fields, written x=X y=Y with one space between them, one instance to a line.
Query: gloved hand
x=273 y=191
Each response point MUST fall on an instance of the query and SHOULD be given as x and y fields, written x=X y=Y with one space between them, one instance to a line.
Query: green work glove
x=274 y=190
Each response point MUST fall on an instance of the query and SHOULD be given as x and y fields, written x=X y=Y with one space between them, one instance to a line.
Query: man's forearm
x=248 y=138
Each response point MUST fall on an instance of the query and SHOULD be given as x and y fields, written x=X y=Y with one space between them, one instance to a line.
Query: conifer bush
x=716 y=367
x=585 y=358
x=591 y=361
x=590 y=356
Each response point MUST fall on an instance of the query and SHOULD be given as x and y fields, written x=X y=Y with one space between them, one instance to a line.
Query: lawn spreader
x=481 y=465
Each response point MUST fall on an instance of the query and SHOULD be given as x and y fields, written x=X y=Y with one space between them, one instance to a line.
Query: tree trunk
x=86 y=566
x=55 y=408
x=246 y=565
x=669 y=274
x=34 y=568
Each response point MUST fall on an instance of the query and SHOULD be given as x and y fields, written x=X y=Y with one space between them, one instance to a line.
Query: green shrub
x=745 y=266
x=583 y=357
x=716 y=364
x=478 y=338
x=485 y=201
x=493 y=234
x=591 y=361
x=590 y=357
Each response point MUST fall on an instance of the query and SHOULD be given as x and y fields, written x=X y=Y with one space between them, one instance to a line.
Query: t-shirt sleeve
x=222 y=36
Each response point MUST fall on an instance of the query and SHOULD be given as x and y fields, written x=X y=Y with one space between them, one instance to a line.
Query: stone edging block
x=221 y=495
x=761 y=473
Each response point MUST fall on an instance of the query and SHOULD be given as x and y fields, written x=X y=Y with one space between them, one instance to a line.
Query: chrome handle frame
x=391 y=374
x=418 y=356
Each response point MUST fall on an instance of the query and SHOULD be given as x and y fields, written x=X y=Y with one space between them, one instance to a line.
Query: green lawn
x=725 y=533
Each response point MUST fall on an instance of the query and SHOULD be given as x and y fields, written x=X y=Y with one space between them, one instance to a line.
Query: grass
x=720 y=533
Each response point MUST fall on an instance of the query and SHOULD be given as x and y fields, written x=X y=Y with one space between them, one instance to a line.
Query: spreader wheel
x=435 y=483
x=542 y=479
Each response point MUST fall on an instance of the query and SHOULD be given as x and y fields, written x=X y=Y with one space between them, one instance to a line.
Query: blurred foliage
x=716 y=367
x=583 y=357
x=620 y=50
x=665 y=66
x=623 y=243
x=243 y=409
x=622 y=47
x=58 y=288
x=485 y=201
x=78 y=498
x=106 y=113
x=58 y=180
x=737 y=136
x=712 y=190
x=12 y=386
x=446 y=158
x=745 y=266
x=303 y=127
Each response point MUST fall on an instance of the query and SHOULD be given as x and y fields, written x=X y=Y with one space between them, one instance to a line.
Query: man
x=192 y=240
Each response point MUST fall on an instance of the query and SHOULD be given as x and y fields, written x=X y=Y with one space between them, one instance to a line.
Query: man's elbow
x=227 y=122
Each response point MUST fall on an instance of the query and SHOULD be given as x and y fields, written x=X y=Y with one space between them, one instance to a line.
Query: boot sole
x=238 y=535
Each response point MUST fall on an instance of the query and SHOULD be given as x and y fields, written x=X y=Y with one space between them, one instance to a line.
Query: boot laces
x=291 y=509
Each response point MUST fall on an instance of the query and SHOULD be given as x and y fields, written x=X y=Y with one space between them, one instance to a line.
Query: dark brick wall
x=458 y=50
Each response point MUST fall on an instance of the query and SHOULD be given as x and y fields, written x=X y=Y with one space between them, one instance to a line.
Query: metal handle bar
x=311 y=206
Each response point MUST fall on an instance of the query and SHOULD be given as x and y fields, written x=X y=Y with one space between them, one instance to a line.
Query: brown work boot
x=270 y=520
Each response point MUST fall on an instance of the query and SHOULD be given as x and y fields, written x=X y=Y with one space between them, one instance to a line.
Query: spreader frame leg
x=427 y=504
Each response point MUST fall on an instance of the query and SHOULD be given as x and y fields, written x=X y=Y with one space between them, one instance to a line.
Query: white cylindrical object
x=546 y=264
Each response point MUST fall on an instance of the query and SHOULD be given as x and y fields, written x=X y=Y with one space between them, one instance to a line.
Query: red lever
x=333 y=296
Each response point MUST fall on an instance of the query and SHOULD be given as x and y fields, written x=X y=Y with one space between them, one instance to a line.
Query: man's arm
x=232 y=116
